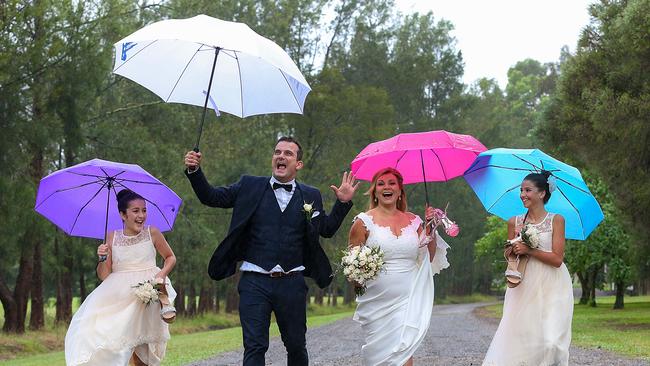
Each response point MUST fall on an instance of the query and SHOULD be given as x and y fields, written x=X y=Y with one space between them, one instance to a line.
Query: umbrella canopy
x=496 y=177
x=432 y=156
x=180 y=60
x=81 y=200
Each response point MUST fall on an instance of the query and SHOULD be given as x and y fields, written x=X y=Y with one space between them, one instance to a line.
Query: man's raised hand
x=345 y=192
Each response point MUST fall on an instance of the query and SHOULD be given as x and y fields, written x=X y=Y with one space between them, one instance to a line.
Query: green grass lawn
x=625 y=331
x=185 y=348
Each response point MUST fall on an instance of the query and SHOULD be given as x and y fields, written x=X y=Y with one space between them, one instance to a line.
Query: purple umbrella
x=81 y=200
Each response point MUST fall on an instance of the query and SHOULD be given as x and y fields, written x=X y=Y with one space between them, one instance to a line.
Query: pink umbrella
x=434 y=156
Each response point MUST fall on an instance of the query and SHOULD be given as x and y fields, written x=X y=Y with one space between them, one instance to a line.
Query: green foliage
x=599 y=116
x=489 y=248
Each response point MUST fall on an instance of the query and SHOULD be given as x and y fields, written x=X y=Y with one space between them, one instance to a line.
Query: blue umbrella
x=496 y=175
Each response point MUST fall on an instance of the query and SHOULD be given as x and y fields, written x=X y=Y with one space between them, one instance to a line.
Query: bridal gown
x=535 y=329
x=112 y=322
x=395 y=311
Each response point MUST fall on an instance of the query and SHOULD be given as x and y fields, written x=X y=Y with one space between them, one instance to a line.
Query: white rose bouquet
x=148 y=291
x=361 y=264
x=529 y=235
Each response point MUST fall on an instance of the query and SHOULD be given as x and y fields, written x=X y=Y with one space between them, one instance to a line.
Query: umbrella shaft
x=207 y=97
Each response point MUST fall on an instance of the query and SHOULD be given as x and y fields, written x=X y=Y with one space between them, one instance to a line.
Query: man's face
x=285 y=161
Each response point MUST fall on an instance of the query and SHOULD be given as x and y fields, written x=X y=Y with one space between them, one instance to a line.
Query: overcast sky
x=494 y=34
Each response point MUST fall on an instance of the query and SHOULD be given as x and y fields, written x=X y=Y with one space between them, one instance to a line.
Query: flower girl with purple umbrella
x=121 y=319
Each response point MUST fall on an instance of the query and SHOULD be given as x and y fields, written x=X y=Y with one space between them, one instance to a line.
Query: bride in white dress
x=113 y=326
x=535 y=329
x=395 y=311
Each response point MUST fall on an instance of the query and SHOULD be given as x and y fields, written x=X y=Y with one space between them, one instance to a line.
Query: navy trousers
x=286 y=297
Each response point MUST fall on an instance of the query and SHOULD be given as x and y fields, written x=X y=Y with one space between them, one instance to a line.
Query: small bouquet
x=361 y=264
x=148 y=291
x=528 y=235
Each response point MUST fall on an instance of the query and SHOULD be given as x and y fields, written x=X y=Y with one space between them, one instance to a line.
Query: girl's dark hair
x=540 y=180
x=124 y=197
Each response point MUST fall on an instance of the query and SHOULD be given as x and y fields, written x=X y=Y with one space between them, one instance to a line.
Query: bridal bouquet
x=147 y=291
x=361 y=264
x=529 y=235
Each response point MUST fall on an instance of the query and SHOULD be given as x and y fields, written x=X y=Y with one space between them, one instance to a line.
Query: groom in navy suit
x=274 y=231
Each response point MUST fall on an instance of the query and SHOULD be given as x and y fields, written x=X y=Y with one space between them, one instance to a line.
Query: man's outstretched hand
x=345 y=192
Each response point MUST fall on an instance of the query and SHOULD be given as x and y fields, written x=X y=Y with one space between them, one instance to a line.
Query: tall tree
x=601 y=111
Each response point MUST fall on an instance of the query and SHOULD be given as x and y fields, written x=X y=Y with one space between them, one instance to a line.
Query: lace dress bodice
x=545 y=228
x=400 y=252
x=133 y=253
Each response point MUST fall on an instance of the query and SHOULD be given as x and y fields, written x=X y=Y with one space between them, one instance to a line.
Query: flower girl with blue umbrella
x=535 y=328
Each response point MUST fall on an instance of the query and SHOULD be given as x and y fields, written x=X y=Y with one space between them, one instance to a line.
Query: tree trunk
x=620 y=294
x=83 y=292
x=205 y=298
x=232 y=297
x=179 y=303
x=23 y=283
x=37 y=316
x=191 y=300
x=217 y=305
x=318 y=296
x=335 y=294
x=592 y=287
x=348 y=295
x=584 y=285
x=64 y=283
x=10 y=308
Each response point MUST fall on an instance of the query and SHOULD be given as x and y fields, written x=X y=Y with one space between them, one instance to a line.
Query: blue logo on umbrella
x=126 y=47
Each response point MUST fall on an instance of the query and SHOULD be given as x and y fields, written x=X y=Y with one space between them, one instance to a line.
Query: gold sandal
x=513 y=276
x=167 y=311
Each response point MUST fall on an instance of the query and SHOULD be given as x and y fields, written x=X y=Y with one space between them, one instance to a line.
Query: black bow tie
x=287 y=187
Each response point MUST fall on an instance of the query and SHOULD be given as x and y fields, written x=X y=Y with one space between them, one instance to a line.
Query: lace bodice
x=400 y=252
x=133 y=253
x=545 y=227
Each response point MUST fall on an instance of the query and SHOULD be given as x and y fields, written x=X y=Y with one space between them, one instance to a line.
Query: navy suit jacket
x=243 y=197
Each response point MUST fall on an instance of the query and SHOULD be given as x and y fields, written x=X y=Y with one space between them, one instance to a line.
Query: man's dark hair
x=291 y=139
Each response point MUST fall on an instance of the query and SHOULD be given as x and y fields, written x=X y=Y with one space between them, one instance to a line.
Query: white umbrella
x=180 y=60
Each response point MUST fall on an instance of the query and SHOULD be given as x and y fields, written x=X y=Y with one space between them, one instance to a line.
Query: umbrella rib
x=182 y=73
x=241 y=85
x=503 y=194
x=132 y=57
x=576 y=210
x=137 y=181
x=441 y=167
x=86 y=204
x=498 y=166
x=571 y=184
x=67 y=189
x=400 y=159
x=290 y=88
x=155 y=205
x=526 y=161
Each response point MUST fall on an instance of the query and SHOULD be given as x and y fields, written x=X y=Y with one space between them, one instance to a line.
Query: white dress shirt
x=283 y=197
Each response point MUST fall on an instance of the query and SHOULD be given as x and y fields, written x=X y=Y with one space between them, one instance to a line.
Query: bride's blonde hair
x=401 y=200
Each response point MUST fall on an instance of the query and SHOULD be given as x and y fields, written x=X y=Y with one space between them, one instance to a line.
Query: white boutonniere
x=308 y=209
